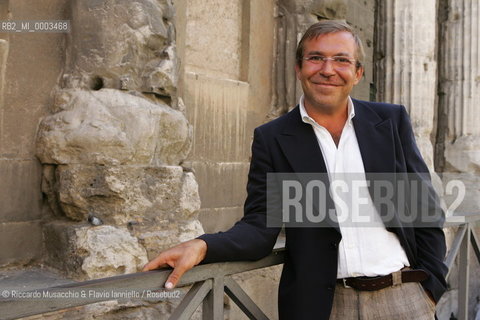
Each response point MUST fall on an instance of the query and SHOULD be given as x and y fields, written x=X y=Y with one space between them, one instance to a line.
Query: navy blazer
x=287 y=144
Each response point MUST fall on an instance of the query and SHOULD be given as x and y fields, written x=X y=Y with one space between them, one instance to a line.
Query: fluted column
x=405 y=63
x=460 y=86
x=459 y=114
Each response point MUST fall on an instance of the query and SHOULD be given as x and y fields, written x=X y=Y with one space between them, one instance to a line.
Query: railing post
x=464 y=275
x=192 y=300
x=242 y=300
x=213 y=303
x=455 y=247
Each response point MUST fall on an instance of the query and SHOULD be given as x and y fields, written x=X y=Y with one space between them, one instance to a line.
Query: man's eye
x=315 y=58
x=341 y=59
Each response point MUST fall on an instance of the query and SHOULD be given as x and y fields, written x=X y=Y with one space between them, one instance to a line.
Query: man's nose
x=326 y=69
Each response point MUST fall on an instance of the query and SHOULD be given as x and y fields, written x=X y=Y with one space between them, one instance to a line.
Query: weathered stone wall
x=30 y=66
x=226 y=51
x=112 y=139
x=113 y=146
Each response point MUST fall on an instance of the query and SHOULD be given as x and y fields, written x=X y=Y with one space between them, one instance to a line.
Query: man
x=333 y=272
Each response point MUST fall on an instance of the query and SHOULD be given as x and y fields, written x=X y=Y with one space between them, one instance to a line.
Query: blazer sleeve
x=249 y=238
x=429 y=239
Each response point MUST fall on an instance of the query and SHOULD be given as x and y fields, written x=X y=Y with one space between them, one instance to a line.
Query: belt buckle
x=396 y=278
x=345 y=284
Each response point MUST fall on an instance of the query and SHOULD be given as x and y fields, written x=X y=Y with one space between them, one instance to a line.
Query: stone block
x=221 y=184
x=121 y=44
x=109 y=251
x=25 y=9
x=128 y=195
x=112 y=127
x=22 y=243
x=463 y=155
x=218 y=112
x=89 y=252
x=20 y=195
x=168 y=236
x=59 y=247
x=462 y=192
x=160 y=75
x=214 y=53
x=330 y=9
x=219 y=219
x=35 y=62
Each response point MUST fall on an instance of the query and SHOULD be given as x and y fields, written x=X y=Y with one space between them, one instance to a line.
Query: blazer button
x=330 y=288
x=334 y=245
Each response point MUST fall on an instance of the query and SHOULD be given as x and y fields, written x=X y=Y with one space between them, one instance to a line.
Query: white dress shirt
x=365 y=249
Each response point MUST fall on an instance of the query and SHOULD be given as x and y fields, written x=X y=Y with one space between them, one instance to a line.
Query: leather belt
x=381 y=282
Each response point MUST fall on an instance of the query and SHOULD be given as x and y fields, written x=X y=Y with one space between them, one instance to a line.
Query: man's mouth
x=327 y=84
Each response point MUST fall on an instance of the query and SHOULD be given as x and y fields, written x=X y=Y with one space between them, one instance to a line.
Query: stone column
x=460 y=86
x=458 y=145
x=405 y=63
x=113 y=146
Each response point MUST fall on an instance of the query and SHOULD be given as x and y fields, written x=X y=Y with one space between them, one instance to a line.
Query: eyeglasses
x=337 y=61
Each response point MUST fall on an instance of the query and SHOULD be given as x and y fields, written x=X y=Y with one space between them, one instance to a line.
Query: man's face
x=326 y=87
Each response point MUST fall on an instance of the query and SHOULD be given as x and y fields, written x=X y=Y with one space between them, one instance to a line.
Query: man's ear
x=297 y=70
x=359 y=74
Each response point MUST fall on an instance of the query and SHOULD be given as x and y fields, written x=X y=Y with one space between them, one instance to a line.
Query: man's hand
x=181 y=258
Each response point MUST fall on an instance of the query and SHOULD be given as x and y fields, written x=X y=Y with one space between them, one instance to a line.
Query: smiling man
x=334 y=272
x=331 y=70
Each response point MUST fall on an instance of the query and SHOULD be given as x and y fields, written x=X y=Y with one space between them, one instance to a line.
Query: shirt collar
x=307 y=119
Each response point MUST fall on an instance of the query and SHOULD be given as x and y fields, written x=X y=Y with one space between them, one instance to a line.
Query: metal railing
x=465 y=238
x=210 y=282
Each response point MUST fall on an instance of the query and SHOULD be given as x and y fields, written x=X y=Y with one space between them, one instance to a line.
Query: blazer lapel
x=375 y=139
x=300 y=146
x=377 y=147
